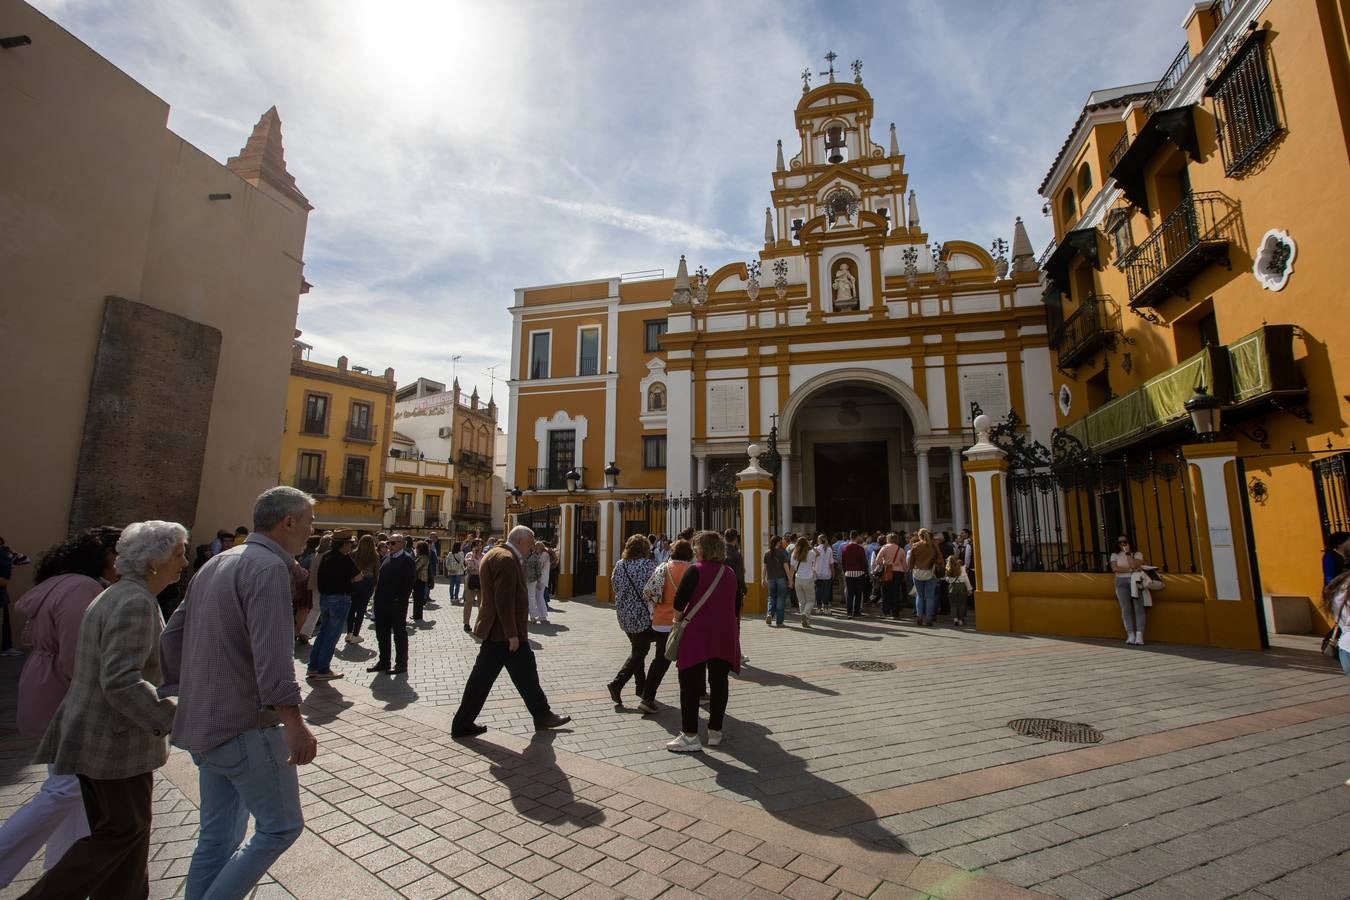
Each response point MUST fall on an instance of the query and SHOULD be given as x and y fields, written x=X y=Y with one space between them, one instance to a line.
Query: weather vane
x=856 y=66
x=830 y=57
x=806 y=80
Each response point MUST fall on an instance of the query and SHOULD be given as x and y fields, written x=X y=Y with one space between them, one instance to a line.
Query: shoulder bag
x=677 y=628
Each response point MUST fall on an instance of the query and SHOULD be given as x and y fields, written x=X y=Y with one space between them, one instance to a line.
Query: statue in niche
x=845 y=288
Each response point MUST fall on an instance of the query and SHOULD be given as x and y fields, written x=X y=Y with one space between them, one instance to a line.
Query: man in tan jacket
x=503 y=630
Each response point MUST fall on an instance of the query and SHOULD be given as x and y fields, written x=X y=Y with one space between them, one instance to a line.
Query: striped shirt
x=228 y=649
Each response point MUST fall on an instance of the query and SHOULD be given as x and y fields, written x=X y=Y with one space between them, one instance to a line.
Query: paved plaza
x=1219 y=774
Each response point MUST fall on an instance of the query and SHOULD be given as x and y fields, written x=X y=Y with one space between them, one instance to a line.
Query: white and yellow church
x=858 y=344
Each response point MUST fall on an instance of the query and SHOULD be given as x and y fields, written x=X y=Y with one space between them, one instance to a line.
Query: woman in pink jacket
x=711 y=646
x=68 y=578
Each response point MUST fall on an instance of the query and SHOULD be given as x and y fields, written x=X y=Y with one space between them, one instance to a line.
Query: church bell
x=834 y=142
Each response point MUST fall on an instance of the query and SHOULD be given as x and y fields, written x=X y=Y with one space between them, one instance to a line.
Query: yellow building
x=1199 y=243
x=339 y=422
x=852 y=341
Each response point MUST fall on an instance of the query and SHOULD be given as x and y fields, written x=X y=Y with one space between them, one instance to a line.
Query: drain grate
x=1056 y=730
x=869 y=665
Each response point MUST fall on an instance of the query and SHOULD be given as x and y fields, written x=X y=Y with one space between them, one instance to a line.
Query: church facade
x=853 y=340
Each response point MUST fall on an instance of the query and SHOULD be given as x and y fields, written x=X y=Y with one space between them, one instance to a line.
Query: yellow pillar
x=987 y=479
x=567 y=537
x=1232 y=598
x=609 y=544
x=756 y=489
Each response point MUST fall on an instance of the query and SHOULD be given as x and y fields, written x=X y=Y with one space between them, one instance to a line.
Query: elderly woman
x=659 y=592
x=112 y=729
x=630 y=576
x=69 y=577
x=711 y=646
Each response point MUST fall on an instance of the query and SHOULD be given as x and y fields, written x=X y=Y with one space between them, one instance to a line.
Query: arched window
x=1068 y=207
x=656 y=398
x=1084 y=180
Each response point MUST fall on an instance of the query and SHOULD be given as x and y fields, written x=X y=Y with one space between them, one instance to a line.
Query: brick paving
x=1221 y=774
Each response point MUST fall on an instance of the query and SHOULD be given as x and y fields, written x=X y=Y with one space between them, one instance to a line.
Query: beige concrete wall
x=98 y=198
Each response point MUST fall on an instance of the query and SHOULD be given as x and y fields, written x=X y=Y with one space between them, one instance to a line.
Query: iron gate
x=1333 y=493
x=543 y=521
x=704 y=511
x=585 y=551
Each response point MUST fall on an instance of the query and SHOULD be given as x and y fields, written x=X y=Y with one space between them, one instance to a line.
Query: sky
x=455 y=151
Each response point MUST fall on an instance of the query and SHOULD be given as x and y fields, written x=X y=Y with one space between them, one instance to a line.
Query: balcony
x=1249 y=376
x=1194 y=235
x=362 y=433
x=1118 y=151
x=1092 y=327
x=554 y=479
x=425 y=468
x=473 y=509
x=311 y=484
x=478 y=462
x=314 y=426
x=361 y=490
x=1168 y=83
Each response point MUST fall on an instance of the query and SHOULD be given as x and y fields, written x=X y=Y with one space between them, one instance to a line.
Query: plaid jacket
x=112 y=723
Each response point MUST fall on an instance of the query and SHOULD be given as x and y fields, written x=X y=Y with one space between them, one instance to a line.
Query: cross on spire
x=806 y=80
x=856 y=66
x=830 y=57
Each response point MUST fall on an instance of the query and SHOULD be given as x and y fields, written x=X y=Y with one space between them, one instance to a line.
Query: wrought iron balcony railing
x=1118 y=151
x=470 y=460
x=473 y=509
x=311 y=484
x=359 y=489
x=1168 y=83
x=1195 y=234
x=552 y=479
x=364 y=432
x=1094 y=325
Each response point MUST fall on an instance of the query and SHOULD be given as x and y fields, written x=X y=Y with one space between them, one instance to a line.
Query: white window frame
x=599 y=350
x=529 y=353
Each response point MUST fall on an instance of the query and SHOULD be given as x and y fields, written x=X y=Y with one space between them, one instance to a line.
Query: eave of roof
x=1107 y=98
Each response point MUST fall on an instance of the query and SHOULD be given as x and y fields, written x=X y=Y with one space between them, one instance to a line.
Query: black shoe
x=398 y=670
x=615 y=693
x=553 y=721
x=379 y=667
x=473 y=730
x=468 y=630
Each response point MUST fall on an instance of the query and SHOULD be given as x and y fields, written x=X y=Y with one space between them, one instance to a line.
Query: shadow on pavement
x=540 y=791
x=324 y=703
x=393 y=691
x=766 y=678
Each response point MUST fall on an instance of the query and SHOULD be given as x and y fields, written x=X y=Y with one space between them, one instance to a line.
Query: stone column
x=1232 y=600
x=567 y=539
x=702 y=473
x=785 y=495
x=608 y=544
x=756 y=489
x=925 y=488
x=958 y=492
x=987 y=474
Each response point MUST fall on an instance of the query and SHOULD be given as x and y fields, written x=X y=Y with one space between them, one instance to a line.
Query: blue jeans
x=246 y=775
x=824 y=588
x=925 y=598
x=777 y=599
x=454 y=585
x=1345 y=660
x=332 y=620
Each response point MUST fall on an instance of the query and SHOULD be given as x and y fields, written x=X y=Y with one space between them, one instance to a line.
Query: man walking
x=398 y=575
x=227 y=651
x=503 y=630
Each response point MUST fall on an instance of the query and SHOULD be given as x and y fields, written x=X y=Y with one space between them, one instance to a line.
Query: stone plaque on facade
x=989 y=389
x=727 y=408
x=146 y=421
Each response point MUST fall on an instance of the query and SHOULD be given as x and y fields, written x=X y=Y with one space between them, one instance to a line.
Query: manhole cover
x=1056 y=730
x=869 y=665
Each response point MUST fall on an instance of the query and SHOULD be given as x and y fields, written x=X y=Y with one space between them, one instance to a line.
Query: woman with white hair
x=112 y=728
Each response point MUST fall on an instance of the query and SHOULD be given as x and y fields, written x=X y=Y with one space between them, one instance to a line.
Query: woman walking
x=534 y=585
x=68 y=578
x=659 y=592
x=1124 y=563
x=710 y=648
x=472 y=559
x=112 y=728
x=804 y=579
x=822 y=566
x=889 y=565
x=1336 y=602
x=338 y=575
x=367 y=559
x=422 y=583
x=925 y=560
x=958 y=588
x=776 y=580
x=630 y=576
x=454 y=570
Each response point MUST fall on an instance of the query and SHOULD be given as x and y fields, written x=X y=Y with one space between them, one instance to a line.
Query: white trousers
x=53 y=816
x=538 y=605
x=805 y=589
x=312 y=619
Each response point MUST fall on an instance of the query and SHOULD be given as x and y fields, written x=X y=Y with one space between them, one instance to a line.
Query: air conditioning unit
x=444 y=432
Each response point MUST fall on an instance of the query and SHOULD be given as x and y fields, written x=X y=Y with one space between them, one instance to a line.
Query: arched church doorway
x=855 y=467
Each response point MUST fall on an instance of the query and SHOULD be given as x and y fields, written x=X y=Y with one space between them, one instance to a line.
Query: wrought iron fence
x=1118 y=151
x=543 y=521
x=1068 y=506
x=1333 y=492
x=585 y=551
x=671 y=515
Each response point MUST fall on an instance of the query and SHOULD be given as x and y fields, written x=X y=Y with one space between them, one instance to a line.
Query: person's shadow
x=540 y=790
x=324 y=703
x=393 y=691
x=766 y=678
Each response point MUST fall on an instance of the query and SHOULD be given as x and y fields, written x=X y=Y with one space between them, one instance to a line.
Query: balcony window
x=309 y=474
x=652 y=331
x=562 y=448
x=354 y=482
x=588 y=351
x=316 y=414
x=359 y=427
x=1244 y=105
x=1068 y=208
x=1118 y=227
x=539 y=354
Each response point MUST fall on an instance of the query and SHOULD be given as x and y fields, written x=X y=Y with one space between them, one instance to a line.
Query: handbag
x=1153 y=581
x=677 y=628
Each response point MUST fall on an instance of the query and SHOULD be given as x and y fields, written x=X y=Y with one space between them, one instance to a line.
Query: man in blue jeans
x=227 y=653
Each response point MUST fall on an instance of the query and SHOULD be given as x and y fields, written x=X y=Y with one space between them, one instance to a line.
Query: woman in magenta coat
x=69 y=577
x=711 y=646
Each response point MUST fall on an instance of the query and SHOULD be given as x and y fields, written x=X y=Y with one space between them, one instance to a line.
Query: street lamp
x=573 y=478
x=1204 y=412
x=611 y=476
x=515 y=496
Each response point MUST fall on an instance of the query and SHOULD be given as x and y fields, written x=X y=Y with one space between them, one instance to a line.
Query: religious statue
x=845 y=288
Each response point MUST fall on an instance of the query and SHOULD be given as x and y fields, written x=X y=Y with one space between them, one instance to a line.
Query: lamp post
x=573 y=479
x=611 y=477
x=1204 y=411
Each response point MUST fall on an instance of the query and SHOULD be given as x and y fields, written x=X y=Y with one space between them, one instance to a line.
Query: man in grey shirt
x=227 y=652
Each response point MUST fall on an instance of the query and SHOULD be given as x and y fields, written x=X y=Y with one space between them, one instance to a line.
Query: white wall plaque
x=728 y=410
x=1274 y=261
x=1065 y=399
x=987 y=388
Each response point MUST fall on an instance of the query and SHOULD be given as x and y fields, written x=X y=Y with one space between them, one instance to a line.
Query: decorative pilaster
x=567 y=538
x=987 y=475
x=925 y=488
x=756 y=488
x=609 y=543
x=1232 y=600
x=958 y=492
x=785 y=494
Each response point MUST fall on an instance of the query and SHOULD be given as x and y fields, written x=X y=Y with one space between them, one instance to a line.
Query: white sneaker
x=714 y=738
x=1129 y=638
x=356 y=639
x=685 y=743
x=1139 y=638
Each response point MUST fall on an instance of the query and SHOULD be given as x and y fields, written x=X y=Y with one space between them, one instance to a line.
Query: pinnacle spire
x=262 y=159
x=895 y=145
x=768 y=225
x=913 y=211
x=781 y=167
x=1023 y=257
x=682 y=295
